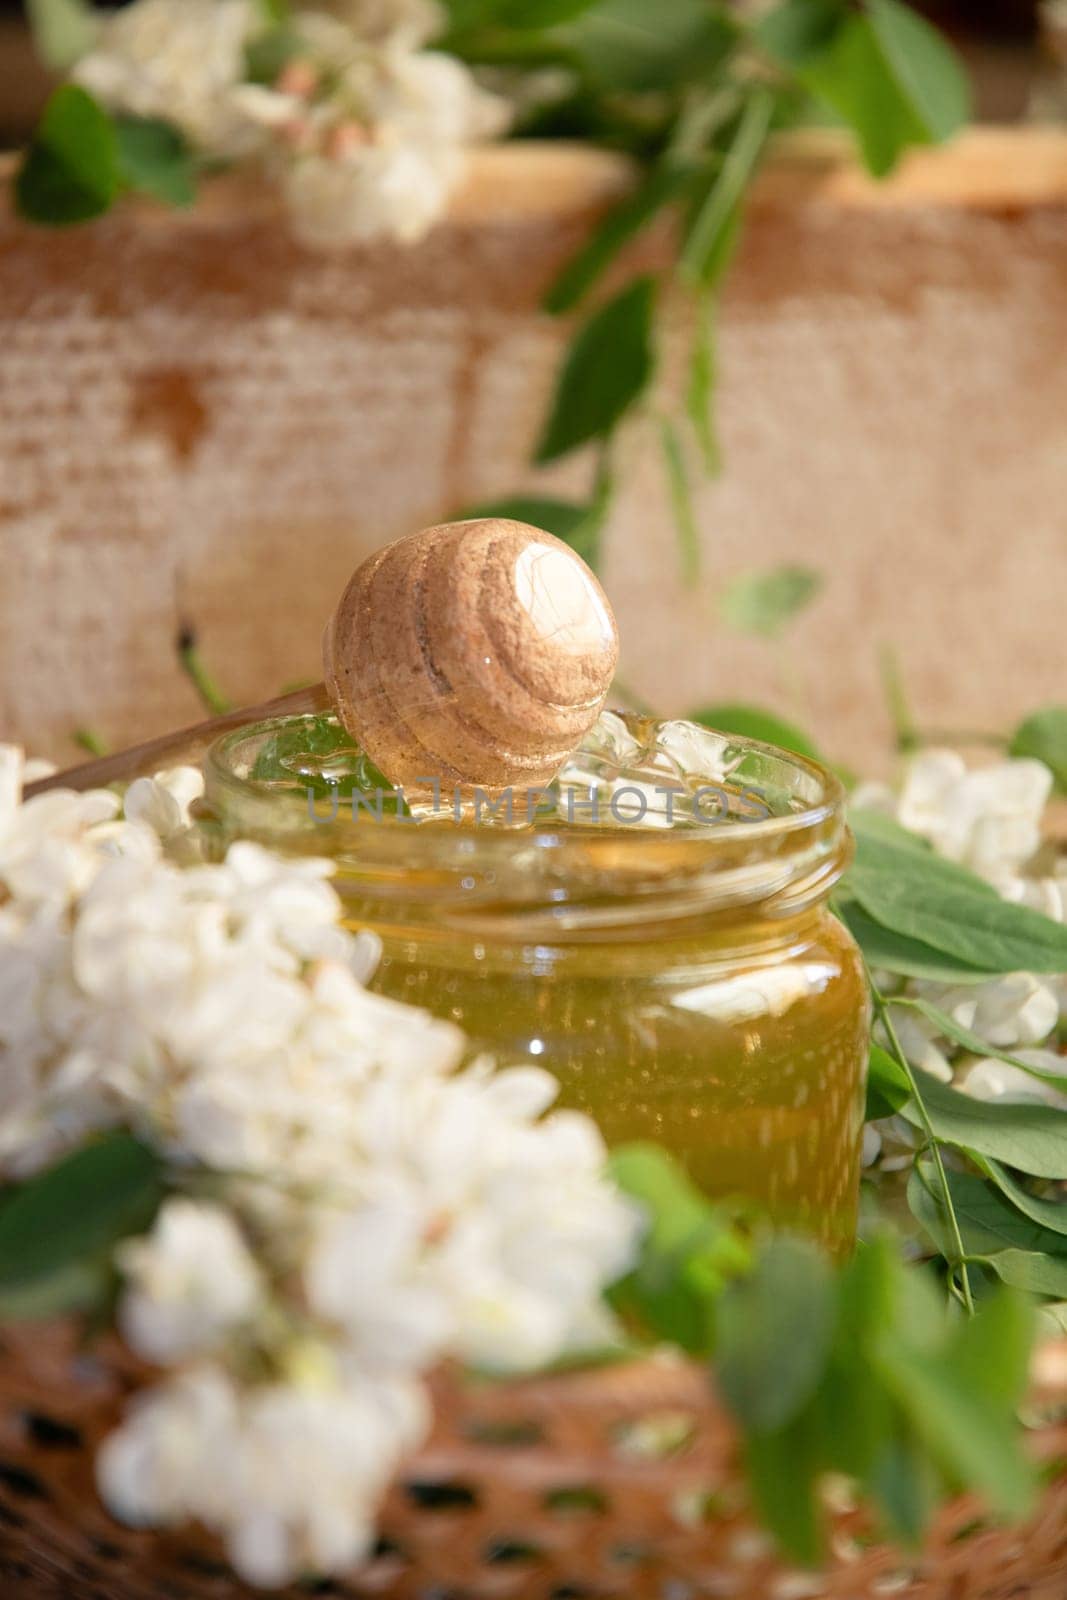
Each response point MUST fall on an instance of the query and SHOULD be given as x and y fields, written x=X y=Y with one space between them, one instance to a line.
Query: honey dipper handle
x=187 y=745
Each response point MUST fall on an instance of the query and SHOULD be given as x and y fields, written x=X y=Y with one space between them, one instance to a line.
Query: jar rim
x=790 y=857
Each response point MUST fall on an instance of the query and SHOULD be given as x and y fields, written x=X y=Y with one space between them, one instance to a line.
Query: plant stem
x=959 y=1265
x=88 y=739
x=681 y=503
x=213 y=698
x=904 y=730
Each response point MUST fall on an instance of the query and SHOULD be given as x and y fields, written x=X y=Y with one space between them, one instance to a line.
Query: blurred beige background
x=202 y=424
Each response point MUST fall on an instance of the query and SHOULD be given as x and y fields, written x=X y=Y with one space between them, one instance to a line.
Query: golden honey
x=679 y=972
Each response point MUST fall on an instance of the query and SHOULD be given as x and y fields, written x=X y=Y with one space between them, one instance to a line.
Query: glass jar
x=686 y=983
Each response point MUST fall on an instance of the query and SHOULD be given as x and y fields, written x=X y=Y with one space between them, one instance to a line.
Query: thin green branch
x=904 y=730
x=91 y=742
x=959 y=1264
x=213 y=698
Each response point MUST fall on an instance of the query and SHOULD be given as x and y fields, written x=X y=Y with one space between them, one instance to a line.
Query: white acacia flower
x=1018 y=1008
x=492 y=1231
x=423 y=99
x=369 y=133
x=376 y=1208
x=988 y=1079
x=370 y=192
x=1046 y=894
x=366 y=1272
x=163 y=801
x=172 y=1451
x=917 y=1037
x=52 y=846
x=988 y=819
x=179 y=60
x=311 y=1467
x=290 y=1475
x=189 y=1283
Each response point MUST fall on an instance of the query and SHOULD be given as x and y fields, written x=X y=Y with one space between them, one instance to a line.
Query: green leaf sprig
x=980 y=1166
x=82 y=158
x=694 y=93
x=688 y=88
x=1043 y=737
x=863 y=1370
x=58 y=1230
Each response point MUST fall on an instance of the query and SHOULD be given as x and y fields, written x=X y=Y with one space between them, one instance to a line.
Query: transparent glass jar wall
x=685 y=983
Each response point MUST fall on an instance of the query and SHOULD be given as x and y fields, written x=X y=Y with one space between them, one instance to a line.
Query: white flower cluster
x=180 y=60
x=365 y=127
x=988 y=819
x=352 y=1203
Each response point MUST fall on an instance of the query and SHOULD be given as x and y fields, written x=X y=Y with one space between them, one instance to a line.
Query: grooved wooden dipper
x=472 y=654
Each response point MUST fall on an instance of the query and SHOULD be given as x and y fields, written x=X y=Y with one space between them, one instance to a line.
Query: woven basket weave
x=623 y=1481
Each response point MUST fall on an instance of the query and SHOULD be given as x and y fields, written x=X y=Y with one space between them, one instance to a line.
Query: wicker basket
x=619 y=1481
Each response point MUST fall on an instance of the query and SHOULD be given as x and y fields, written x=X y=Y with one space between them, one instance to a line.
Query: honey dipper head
x=476 y=653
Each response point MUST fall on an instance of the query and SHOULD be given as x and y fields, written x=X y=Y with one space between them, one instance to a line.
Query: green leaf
x=851 y=77
x=932 y=900
x=873 y=828
x=991 y=1351
x=305 y=746
x=58 y=1228
x=691 y=1249
x=1033 y=1271
x=701 y=386
x=798 y=30
x=1030 y=1138
x=626 y=45
x=1049 y=1213
x=712 y=233
x=974 y=1445
x=464 y=14
x=774 y=1333
x=959 y=1385
x=750 y=722
x=1052 y=1320
x=607 y=369
x=764 y=602
x=981 y=1047
x=926 y=69
x=972 y=927
x=885 y=71
x=521 y=14
x=577 y=525
x=70 y=172
x=663 y=184
x=682 y=502
x=274 y=10
x=63 y=31
x=783 y=1470
x=896 y=953
x=79 y=1286
x=865 y=1434
x=888 y=1088
x=1043 y=737
x=154 y=157
x=905 y=1486
x=988 y=1222
x=564 y=518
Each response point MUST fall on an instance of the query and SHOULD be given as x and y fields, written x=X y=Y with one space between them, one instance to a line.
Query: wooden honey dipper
x=475 y=654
